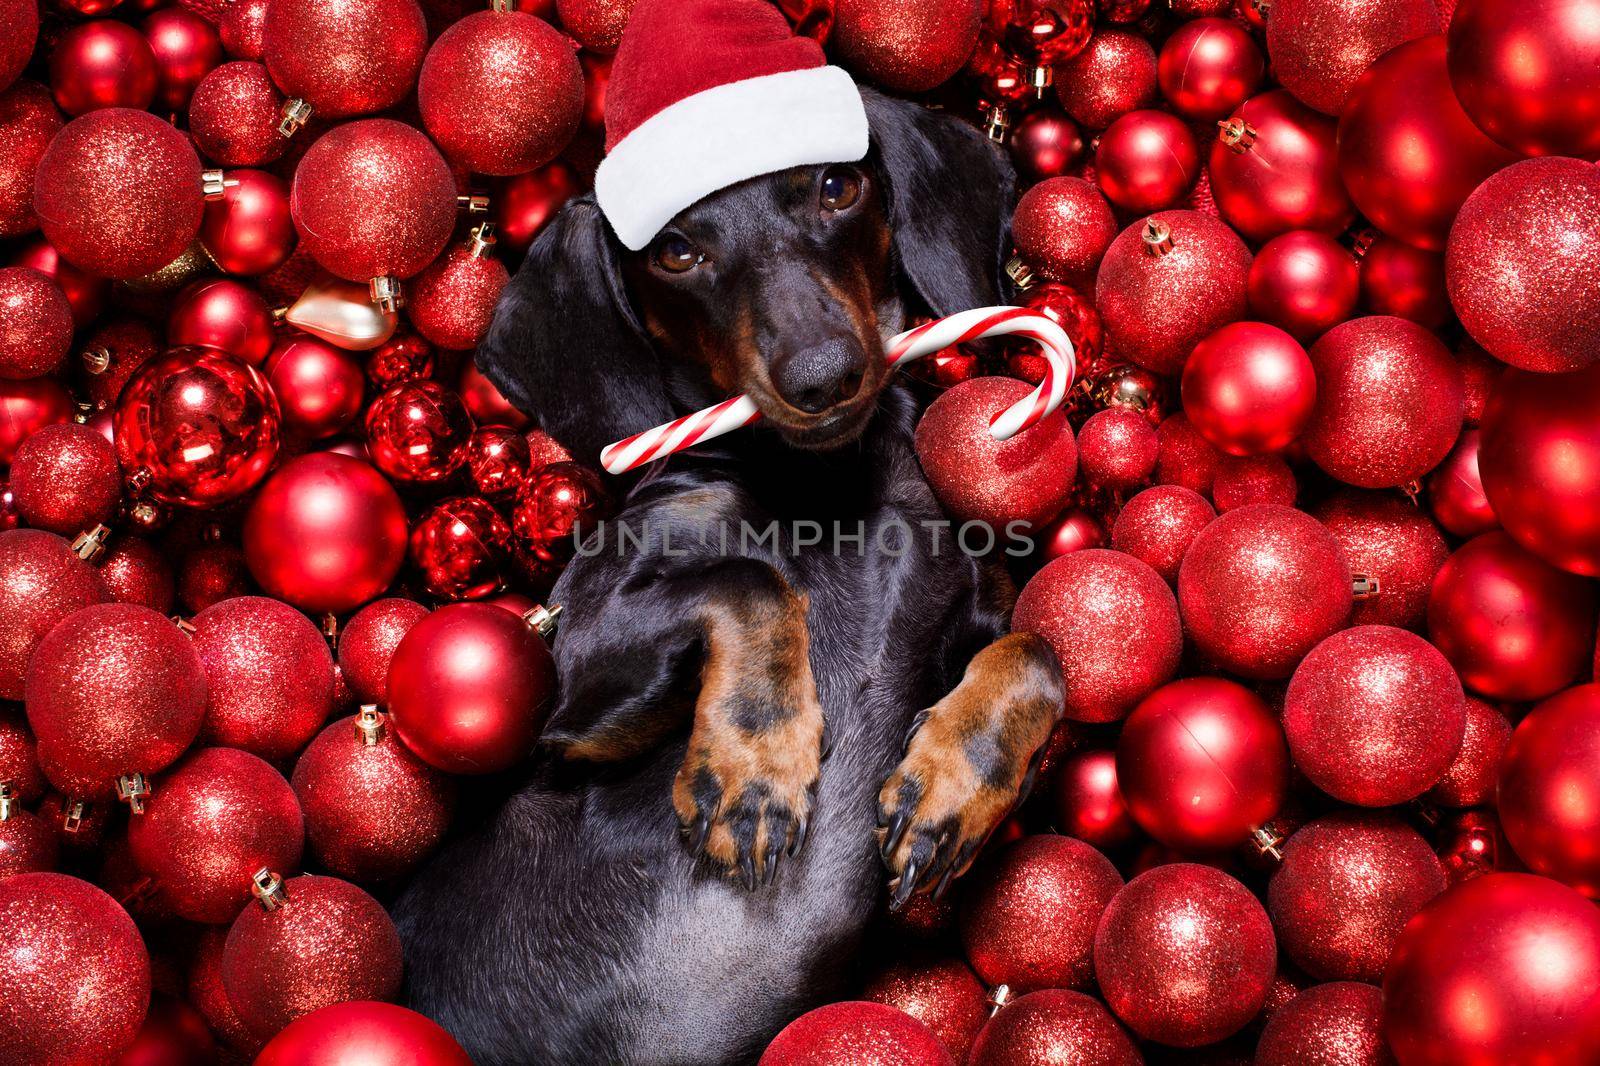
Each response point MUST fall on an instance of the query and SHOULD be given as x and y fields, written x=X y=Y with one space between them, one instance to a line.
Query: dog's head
x=783 y=287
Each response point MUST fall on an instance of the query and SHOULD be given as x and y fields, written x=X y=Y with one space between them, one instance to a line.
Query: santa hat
x=707 y=93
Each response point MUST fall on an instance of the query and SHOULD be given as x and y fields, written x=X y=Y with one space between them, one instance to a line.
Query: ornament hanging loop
x=269 y=889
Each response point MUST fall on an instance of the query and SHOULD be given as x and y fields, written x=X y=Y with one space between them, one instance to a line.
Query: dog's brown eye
x=677 y=255
x=841 y=188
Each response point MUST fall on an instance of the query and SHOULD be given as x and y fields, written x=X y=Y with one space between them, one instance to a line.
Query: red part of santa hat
x=707 y=93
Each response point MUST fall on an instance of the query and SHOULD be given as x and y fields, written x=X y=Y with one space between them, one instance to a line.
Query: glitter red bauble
x=501 y=92
x=905 y=45
x=1470 y=781
x=241 y=28
x=66 y=480
x=102 y=63
x=28 y=846
x=418 y=432
x=380 y=1034
x=1054 y=1025
x=234 y=115
x=1539 y=458
x=113 y=689
x=1388 y=539
x=1157 y=303
x=67 y=944
x=1303 y=282
x=199 y=426
x=222 y=314
x=28 y=123
x=942 y=994
x=1184 y=955
x=523 y=205
x=204 y=990
x=1117 y=449
x=344 y=57
x=1029 y=915
x=1114 y=74
x=1521 y=238
x=248 y=230
x=1146 y=160
x=1347 y=885
x=1338 y=1022
x=1260 y=586
x=856 y=1033
x=596 y=24
x=1157 y=526
x=135 y=571
x=1243 y=480
x=1046 y=144
x=1522 y=951
x=458 y=547
x=209 y=825
x=977 y=478
x=469 y=687
x=330 y=943
x=118 y=193
x=1455 y=491
x=1549 y=789
x=319 y=387
x=1513 y=626
x=19 y=766
x=1249 y=388
x=1320 y=48
x=1062 y=227
x=1183 y=456
x=1208 y=67
x=1397 y=279
x=35 y=323
x=186 y=48
x=22 y=19
x=269 y=674
x=344 y=507
x=210 y=573
x=452 y=301
x=41 y=582
x=85 y=292
x=1281 y=173
x=1201 y=763
x=373 y=198
x=368 y=642
x=127 y=344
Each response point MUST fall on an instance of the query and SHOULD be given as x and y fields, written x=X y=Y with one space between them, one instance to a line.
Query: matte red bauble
x=22 y=16
x=1249 y=388
x=1341 y=1021
x=979 y=479
x=269 y=674
x=469 y=687
x=1388 y=541
x=1303 y=282
x=1528 y=74
x=942 y=994
x=1274 y=168
x=1046 y=144
x=41 y=582
x=1086 y=803
x=1260 y=586
x=35 y=323
x=222 y=314
x=186 y=48
x=1513 y=626
x=1183 y=456
x=102 y=63
x=1408 y=154
x=1320 y=48
x=1549 y=790
x=1184 y=955
x=1029 y=916
x=905 y=45
x=1515 y=265
x=1499 y=969
x=381 y=1034
x=319 y=387
x=1208 y=67
x=1114 y=74
x=85 y=292
x=1539 y=458
x=248 y=230
x=344 y=57
x=418 y=431
x=113 y=689
x=1053 y=1025
x=1398 y=279
x=856 y=1033
x=1063 y=227
x=458 y=547
x=196 y=427
x=1072 y=530
x=28 y=406
x=209 y=825
x=1389 y=402
x=1113 y=624
x=1117 y=449
x=368 y=642
x=523 y=205
x=67 y=943
x=373 y=198
x=234 y=116
x=452 y=301
x=66 y=480
x=1455 y=491
x=1166 y=283
x=1201 y=763
x=1158 y=525
x=501 y=92
x=1146 y=160
x=118 y=193
x=173 y=1034
x=28 y=123
x=329 y=943
x=345 y=508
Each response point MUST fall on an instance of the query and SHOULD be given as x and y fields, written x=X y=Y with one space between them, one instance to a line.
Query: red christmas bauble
x=118 y=193
x=1397 y=279
x=485 y=403
x=858 y=1033
x=1073 y=530
x=1046 y=144
x=1386 y=539
x=1166 y=283
x=452 y=301
x=41 y=582
x=85 y=292
x=368 y=642
x=1320 y=48
x=102 y=63
x=1274 y=168
x=1208 y=67
x=1029 y=916
x=1539 y=458
x=112 y=354
x=222 y=314
x=458 y=547
x=27 y=407
x=1183 y=456
x=67 y=944
x=1117 y=449
x=330 y=943
x=1146 y=161
x=1249 y=388
x=501 y=92
x=1087 y=803
x=405 y=357
x=1470 y=781
x=1523 y=951
x=28 y=846
x=979 y=479
x=66 y=479
x=1114 y=74
x=1042 y=33
x=1245 y=480
x=1158 y=525
x=344 y=507
x=19 y=765
x=1549 y=789
x=135 y=571
x=499 y=460
x=210 y=573
x=173 y=1034
x=1201 y=763
x=523 y=205
x=373 y=197
x=1513 y=626
x=596 y=24
x=209 y=825
x=1074 y=313
x=204 y=990
x=135 y=712
x=1054 y=1025
x=418 y=431
x=1303 y=282
x=197 y=427
x=319 y=387
x=22 y=17
x=469 y=687
x=1184 y=955
x=1341 y=1021
x=1455 y=491
x=35 y=323
x=942 y=994
x=242 y=28
x=905 y=45
x=1260 y=586
x=248 y=230
x=380 y=1034
x=28 y=123
x=234 y=115
x=344 y=57
x=186 y=48
x=1063 y=227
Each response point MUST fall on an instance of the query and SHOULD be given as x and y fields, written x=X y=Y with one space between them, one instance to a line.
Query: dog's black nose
x=815 y=378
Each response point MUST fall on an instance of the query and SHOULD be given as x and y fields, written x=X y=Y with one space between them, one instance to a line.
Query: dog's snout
x=815 y=378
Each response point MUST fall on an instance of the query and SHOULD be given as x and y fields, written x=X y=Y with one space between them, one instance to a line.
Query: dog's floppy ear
x=565 y=346
x=951 y=194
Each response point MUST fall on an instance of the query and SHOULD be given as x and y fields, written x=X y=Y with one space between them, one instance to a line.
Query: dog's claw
x=747 y=866
x=697 y=837
x=907 y=886
x=897 y=829
x=801 y=827
x=944 y=882
x=769 y=869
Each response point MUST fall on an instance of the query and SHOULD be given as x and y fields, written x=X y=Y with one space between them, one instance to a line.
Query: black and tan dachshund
x=754 y=731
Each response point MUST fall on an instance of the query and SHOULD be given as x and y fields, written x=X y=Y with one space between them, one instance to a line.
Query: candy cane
x=740 y=411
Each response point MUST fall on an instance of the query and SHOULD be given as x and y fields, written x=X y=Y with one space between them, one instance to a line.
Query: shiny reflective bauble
x=332 y=1035
x=1046 y=144
x=1303 y=282
x=248 y=230
x=1549 y=789
x=1320 y=48
x=458 y=547
x=1208 y=67
x=1282 y=174
x=1249 y=388
x=418 y=431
